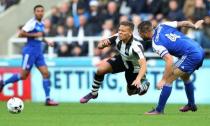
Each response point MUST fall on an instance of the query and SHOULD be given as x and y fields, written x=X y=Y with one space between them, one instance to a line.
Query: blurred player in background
x=32 y=53
x=167 y=41
x=130 y=60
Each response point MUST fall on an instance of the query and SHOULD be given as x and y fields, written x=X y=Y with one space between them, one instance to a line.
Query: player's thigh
x=41 y=65
x=28 y=61
x=40 y=61
x=104 y=68
x=116 y=64
x=176 y=73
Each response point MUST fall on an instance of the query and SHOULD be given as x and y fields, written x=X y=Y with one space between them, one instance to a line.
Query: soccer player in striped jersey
x=130 y=60
x=32 y=53
x=167 y=41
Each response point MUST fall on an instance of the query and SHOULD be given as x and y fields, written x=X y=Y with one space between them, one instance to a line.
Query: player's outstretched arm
x=49 y=42
x=198 y=24
x=189 y=24
x=142 y=72
x=104 y=43
x=168 y=70
x=168 y=66
x=33 y=35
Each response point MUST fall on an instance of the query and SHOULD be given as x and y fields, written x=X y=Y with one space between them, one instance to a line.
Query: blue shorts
x=31 y=57
x=190 y=62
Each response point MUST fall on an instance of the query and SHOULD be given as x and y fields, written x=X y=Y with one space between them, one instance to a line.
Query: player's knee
x=171 y=78
x=23 y=77
x=131 y=90
x=185 y=78
x=130 y=93
x=46 y=74
x=101 y=71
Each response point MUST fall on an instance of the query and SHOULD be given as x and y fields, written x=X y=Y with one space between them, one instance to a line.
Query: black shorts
x=118 y=66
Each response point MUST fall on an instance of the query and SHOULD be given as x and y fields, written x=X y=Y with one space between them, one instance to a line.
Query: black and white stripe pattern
x=96 y=84
x=130 y=52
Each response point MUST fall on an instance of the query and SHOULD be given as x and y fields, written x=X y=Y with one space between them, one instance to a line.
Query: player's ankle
x=47 y=99
x=159 y=110
x=94 y=93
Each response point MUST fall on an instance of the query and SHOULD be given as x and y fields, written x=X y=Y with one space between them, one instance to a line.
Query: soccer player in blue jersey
x=167 y=41
x=33 y=30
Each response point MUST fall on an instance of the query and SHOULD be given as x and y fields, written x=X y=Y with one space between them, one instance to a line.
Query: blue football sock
x=189 y=89
x=46 y=86
x=165 y=93
x=12 y=79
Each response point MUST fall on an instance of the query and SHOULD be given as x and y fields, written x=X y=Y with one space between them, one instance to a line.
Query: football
x=15 y=105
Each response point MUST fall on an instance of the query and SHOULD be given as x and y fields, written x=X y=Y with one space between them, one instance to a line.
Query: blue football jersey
x=167 y=39
x=32 y=52
x=33 y=26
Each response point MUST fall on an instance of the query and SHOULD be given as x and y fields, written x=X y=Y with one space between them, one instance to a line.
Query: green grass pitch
x=102 y=114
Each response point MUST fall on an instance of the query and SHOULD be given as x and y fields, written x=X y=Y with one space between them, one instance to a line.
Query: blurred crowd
x=4 y=4
x=80 y=18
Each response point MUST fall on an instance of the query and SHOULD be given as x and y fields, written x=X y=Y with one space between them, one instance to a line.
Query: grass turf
x=100 y=114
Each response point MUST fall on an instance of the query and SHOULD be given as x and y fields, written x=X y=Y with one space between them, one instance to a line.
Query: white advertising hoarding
x=69 y=84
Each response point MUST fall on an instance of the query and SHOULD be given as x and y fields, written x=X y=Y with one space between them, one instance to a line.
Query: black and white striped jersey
x=130 y=52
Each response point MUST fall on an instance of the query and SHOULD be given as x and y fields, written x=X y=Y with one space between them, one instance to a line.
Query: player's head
x=39 y=12
x=145 y=30
x=125 y=30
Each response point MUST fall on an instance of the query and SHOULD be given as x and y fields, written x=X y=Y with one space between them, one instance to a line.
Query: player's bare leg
x=46 y=85
x=165 y=93
x=24 y=74
x=189 y=89
x=103 y=68
x=14 y=78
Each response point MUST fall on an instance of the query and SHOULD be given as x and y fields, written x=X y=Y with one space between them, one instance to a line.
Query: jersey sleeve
x=138 y=50
x=29 y=26
x=160 y=50
x=112 y=39
x=172 y=24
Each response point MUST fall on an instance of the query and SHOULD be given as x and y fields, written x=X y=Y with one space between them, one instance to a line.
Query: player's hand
x=198 y=24
x=104 y=43
x=50 y=43
x=136 y=83
x=161 y=84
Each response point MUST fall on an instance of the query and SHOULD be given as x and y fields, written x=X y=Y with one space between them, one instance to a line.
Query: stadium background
x=72 y=63
x=76 y=26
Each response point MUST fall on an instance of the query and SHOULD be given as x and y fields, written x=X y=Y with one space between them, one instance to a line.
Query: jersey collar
x=39 y=22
